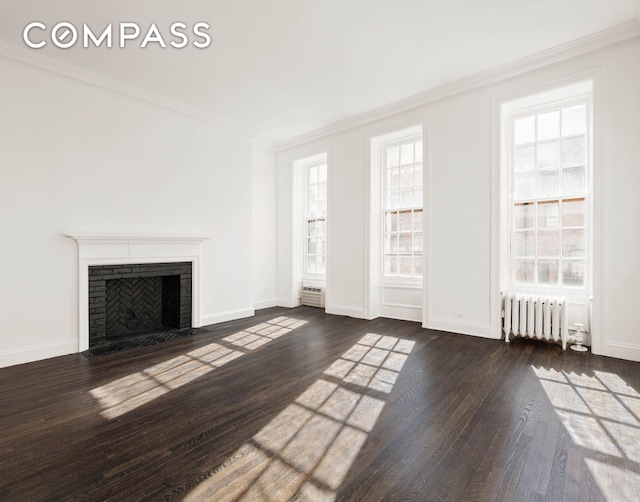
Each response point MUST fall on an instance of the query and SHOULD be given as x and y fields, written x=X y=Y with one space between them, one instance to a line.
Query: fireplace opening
x=138 y=299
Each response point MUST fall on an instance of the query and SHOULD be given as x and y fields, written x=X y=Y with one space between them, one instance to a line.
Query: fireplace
x=131 y=299
x=137 y=258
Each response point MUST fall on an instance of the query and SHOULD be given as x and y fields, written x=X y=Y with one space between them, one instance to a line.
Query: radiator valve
x=579 y=338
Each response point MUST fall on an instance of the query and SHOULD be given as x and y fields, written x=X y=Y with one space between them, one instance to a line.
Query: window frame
x=307 y=164
x=412 y=136
x=534 y=108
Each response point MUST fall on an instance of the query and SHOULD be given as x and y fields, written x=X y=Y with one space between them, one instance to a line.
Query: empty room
x=320 y=251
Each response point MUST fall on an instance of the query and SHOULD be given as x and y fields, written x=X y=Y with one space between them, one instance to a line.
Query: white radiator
x=314 y=297
x=535 y=316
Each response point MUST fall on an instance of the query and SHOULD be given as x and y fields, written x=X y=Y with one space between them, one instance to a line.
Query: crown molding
x=46 y=63
x=547 y=57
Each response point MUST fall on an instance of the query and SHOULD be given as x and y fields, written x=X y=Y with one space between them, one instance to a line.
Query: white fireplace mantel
x=124 y=249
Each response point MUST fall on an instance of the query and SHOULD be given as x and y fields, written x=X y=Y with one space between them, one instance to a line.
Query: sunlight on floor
x=125 y=394
x=306 y=451
x=601 y=413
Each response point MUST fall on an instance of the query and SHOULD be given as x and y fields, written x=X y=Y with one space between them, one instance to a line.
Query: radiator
x=314 y=297
x=535 y=316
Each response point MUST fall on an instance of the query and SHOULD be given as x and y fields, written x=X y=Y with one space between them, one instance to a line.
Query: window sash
x=402 y=192
x=541 y=252
x=315 y=219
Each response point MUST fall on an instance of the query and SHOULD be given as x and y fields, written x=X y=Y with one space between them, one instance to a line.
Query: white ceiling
x=285 y=67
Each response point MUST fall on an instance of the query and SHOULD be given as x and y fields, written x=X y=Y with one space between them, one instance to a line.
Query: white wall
x=461 y=277
x=76 y=157
x=264 y=225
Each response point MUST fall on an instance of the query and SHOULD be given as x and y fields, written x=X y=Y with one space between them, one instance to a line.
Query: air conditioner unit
x=312 y=296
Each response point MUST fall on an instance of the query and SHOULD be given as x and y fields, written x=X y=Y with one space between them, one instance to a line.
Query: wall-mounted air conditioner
x=312 y=296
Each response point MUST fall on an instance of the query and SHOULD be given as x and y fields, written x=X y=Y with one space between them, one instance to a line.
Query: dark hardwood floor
x=294 y=404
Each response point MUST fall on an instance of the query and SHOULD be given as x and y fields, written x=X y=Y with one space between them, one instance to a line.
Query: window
x=402 y=202
x=315 y=215
x=549 y=168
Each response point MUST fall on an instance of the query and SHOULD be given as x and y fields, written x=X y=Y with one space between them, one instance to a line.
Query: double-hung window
x=315 y=216
x=549 y=171
x=402 y=205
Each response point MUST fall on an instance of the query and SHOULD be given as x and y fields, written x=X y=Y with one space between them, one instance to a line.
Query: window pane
x=525 y=130
x=573 y=120
x=391 y=222
x=548 y=214
x=573 y=243
x=311 y=246
x=406 y=176
x=406 y=153
x=322 y=173
x=313 y=193
x=573 y=213
x=405 y=243
x=404 y=221
x=573 y=273
x=417 y=196
x=525 y=158
x=393 y=199
x=417 y=220
x=548 y=155
x=322 y=191
x=549 y=125
x=311 y=264
x=311 y=228
x=523 y=215
x=548 y=183
x=573 y=181
x=393 y=156
x=320 y=265
x=417 y=242
x=548 y=271
x=391 y=265
x=321 y=228
x=523 y=270
x=548 y=243
x=313 y=209
x=523 y=244
x=524 y=186
x=573 y=152
x=418 y=150
x=391 y=243
x=407 y=198
x=313 y=175
x=417 y=174
x=393 y=177
x=405 y=266
x=322 y=209
x=417 y=266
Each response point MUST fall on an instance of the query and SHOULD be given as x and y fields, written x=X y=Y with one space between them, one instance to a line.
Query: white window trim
x=300 y=218
x=511 y=111
x=378 y=145
x=597 y=78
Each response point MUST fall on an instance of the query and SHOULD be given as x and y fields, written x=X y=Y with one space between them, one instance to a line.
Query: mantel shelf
x=97 y=238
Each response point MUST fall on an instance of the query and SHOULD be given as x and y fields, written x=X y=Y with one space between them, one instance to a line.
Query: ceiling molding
x=49 y=64
x=568 y=50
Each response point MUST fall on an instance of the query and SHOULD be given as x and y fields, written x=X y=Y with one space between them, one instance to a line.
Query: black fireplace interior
x=133 y=299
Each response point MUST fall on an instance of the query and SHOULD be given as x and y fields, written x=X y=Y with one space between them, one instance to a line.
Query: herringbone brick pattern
x=133 y=305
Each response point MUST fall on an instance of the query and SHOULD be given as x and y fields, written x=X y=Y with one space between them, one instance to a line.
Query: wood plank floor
x=295 y=404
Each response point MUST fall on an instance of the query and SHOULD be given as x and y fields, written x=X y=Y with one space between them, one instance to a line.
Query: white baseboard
x=288 y=303
x=37 y=353
x=621 y=350
x=230 y=315
x=462 y=328
x=358 y=313
x=265 y=304
x=401 y=312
